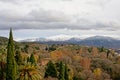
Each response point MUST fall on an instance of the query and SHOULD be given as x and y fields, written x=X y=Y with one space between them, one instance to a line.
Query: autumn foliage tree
x=97 y=73
x=85 y=63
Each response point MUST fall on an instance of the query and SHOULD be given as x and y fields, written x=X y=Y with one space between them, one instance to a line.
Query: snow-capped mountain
x=53 y=38
x=90 y=41
x=63 y=37
x=34 y=40
x=59 y=38
x=67 y=38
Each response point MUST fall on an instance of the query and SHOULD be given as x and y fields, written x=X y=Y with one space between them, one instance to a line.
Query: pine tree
x=50 y=70
x=66 y=75
x=18 y=58
x=28 y=59
x=62 y=71
x=108 y=52
x=11 y=64
x=32 y=59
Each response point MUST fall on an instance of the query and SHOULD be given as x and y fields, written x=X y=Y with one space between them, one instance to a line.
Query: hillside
x=82 y=62
x=3 y=40
x=98 y=41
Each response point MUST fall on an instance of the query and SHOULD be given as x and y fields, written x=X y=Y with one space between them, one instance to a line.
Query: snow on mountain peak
x=62 y=37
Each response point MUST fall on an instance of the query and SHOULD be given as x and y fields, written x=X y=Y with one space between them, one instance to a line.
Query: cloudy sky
x=46 y=18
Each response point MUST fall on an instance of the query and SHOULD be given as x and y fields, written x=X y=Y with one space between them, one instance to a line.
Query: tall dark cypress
x=18 y=58
x=32 y=59
x=62 y=71
x=66 y=75
x=11 y=64
x=50 y=70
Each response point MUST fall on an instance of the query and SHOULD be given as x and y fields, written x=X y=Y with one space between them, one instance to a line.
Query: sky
x=51 y=18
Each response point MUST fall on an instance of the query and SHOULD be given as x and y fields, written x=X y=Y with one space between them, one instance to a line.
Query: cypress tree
x=11 y=64
x=62 y=71
x=51 y=70
x=108 y=52
x=18 y=58
x=66 y=73
x=32 y=59
x=28 y=59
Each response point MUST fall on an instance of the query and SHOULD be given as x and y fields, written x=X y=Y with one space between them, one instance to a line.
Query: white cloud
x=60 y=14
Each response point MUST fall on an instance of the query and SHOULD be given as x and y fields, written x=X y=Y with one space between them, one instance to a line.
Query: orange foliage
x=44 y=61
x=103 y=55
x=83 y=50
x=85 y=63
x=94 y=51
x=56 y=54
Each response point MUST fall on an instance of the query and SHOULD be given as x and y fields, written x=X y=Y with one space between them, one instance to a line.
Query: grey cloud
x=8 y=0
x=49 y=16
x=53 y=25
x=12 y=1
x=101 y=3
x=67 y=0
x=35 y=15
x=22 y=1
x=85 y=25
x=50 y=19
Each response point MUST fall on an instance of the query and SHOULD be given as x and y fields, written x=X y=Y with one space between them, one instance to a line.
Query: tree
x=86 y=63
x=66 y=75
x=29 y=72
x=32 y=59
x=18 y=58
x=75 y=78
x=17 y=47
x=108 y=52
x=62 y=71
x=2 y=66
x=11 y=64
x=28 y=59
x=97 y=73
x=26 y=48
x=50 y=70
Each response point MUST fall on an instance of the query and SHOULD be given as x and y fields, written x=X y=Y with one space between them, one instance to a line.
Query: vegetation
x=51 y=70
x=11 y=63
x=18 y=58
x=35 y=61
x=62 y=71
x=32 y=59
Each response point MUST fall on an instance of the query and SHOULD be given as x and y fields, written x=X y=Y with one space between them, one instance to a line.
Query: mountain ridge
x=98 y=41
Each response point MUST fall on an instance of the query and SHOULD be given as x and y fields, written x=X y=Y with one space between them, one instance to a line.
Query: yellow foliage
x=36 y=57
x=71 y=73
x=97 y=72
x=77 y=58
x=56 y=54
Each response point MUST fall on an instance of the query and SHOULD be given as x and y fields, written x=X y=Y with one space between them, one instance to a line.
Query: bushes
x=57 y=70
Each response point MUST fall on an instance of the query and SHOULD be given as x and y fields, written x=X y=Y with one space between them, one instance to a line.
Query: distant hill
x=98 y=41
x=3 y=40
x=101 y=41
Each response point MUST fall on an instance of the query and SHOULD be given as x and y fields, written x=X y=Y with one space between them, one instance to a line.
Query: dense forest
x=35 y=61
